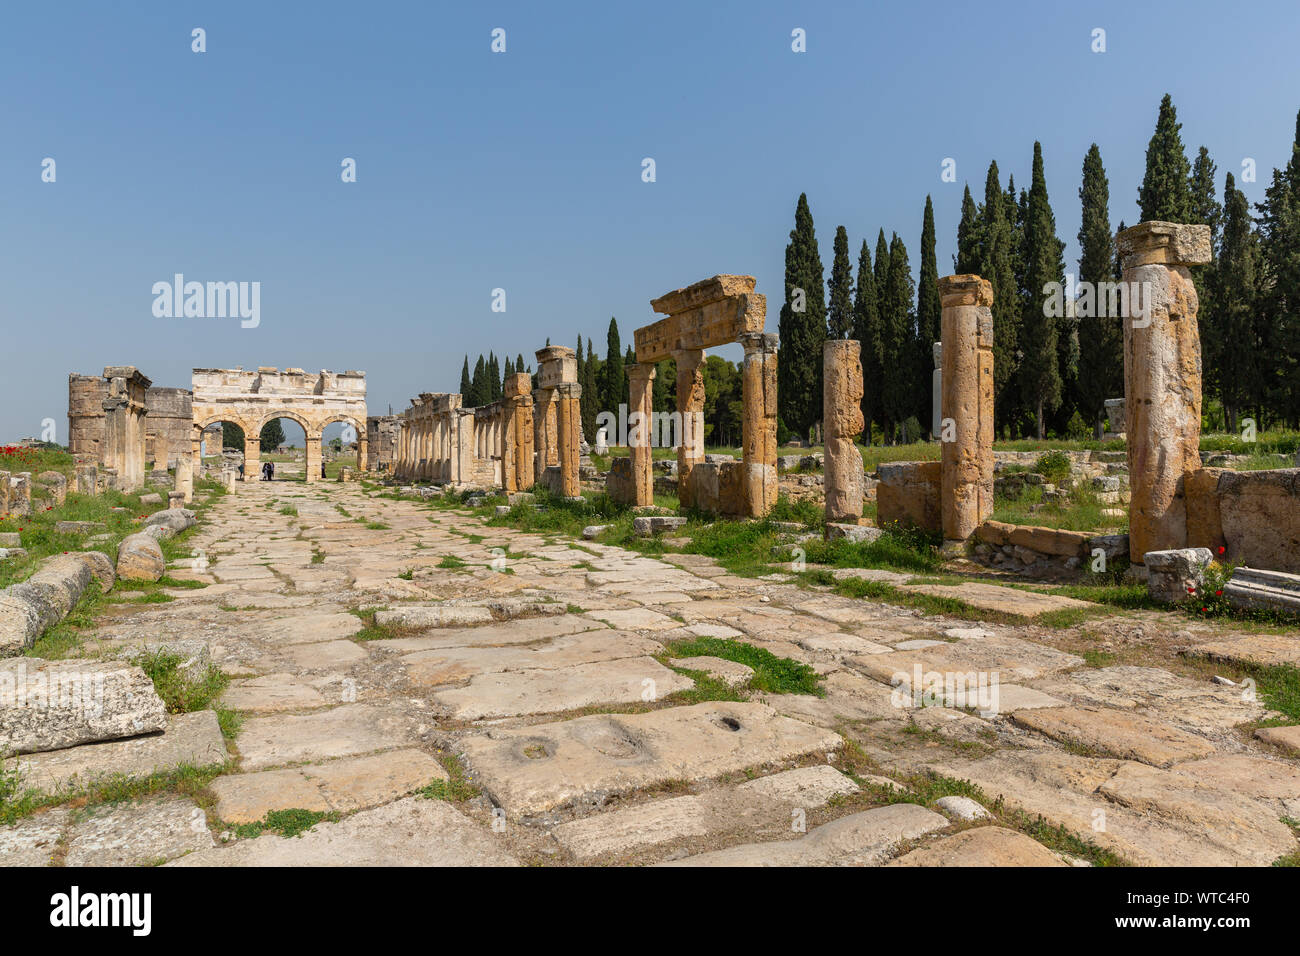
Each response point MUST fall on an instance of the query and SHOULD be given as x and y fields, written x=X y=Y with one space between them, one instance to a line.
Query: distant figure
x=322 y=469
x=241 y=471
x=266 y=471
x=270 y=470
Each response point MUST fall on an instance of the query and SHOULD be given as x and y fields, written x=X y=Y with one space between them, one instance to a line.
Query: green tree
x=232 y=436
x=1040 y=372
x=995 y=265
x=613 y=380
x=1163 y=195
x=897 y=323
x=866 y=329
x=466 y=383
x=967 y=259
x=802 y=326
x=839 y=315
x=272 y=436
x=590 y=400
x=478 y=385
x=1235 y=356
x=1278 y=315
x=1101 y=337
x=928 y=315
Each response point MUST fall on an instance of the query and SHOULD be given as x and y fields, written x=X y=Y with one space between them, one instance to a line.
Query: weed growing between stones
x=287 y=823
x=456 y=789
x=775 y=675
x=181 y=692
x=185 y=780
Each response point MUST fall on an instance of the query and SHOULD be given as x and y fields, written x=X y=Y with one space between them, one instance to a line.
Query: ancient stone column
x=690 y=408
x=363 y=453
x=936 y=392
x=253 y=455
x=966 y=424
x=569 y=437
x=641 y=378
x=184 y=479
x=517 y=433
x=758 y=431
x=312 y=457
x=122 y=446
x=1162 y=378
x=842 y=422
x=87 y=480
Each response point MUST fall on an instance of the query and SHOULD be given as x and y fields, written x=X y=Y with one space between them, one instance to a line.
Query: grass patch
x=456 y=789
x=182 y=692
x=451 y=563
x=776 y=675
x=185 y=780
x=287 y=823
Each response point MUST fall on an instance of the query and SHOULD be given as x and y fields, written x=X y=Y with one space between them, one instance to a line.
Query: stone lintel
x=965 y=290
x=702 y=293
x=1164 y=243
x=715 y=323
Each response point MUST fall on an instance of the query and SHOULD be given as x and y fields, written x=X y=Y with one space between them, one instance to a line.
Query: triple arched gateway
x=250 y=399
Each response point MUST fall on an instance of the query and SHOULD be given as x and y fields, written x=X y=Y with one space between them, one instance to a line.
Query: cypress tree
x=466 y=383
x=995 y=265
x=967 y=259
x=1237 y=360
x=880 y=269
x=478 y=385
x=839 y=315
x=866 y=329
x=510 y=370
x=897 y=322
x=1163 y=194
x=613 y=385
x=629 y=359
x=1203 y=206
x=519 y=363
x=590 y=401
x=928 y=313
x=1040 y=372
x=1101 y=338
x=802 y=331
x=1278 y=317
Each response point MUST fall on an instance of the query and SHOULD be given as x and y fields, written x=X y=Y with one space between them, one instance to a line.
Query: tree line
x=1052 y=372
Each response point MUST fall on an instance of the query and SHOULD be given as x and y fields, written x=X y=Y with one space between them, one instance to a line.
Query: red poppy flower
x=1218 y=594
x=1222 y=549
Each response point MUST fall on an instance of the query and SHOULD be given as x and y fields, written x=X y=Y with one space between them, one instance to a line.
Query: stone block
x=56 y=483
x=140 y=558
x=52 y=705
x=908 y=494
x=1258 y=589
x=647 y=525
x=1174 y=575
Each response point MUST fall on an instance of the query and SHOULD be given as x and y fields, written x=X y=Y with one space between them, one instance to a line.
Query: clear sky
x=523 y=170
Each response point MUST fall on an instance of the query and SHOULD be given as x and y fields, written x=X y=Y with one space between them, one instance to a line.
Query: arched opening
x=341 y=445
x=284 y=449
x=218 y=446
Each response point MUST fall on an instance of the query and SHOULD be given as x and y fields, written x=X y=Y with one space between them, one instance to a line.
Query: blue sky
x=522 y=170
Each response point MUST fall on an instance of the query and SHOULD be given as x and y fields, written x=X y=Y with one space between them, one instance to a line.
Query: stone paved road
x=537 y=668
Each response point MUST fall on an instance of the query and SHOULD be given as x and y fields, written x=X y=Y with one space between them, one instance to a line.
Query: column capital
x=967 y=289
x=641 y=372
x=759 y=341
x=1164 y=243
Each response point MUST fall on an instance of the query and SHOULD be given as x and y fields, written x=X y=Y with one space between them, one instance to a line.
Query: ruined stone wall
x=169 y=421
x=908 y=495
x=1254 y=516
x=86 y=394
x=382 y=436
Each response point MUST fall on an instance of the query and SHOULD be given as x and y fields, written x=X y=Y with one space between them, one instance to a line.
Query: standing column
x=196 y=450
x=641 y=379
x=312 y=457
x=253 y=455
x=842 y=421
x=758 y=431
x=690 y=408
x=1162 y=378
x=184 y=481
x=966 y=423
x=544 y=430
x=569 y=433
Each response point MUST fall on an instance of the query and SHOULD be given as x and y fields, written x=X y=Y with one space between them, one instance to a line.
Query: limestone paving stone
x=348 y=784
x=981 y=846
x=539 y=691
x=33 y=840
x=189 y=740
x=342 y=731
x=138 y=833
x=860 y=839
x=1117 y=733
x=410 y=832
x=531 y=770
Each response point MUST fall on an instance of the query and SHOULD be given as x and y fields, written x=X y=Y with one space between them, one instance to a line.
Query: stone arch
x=359 y=427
